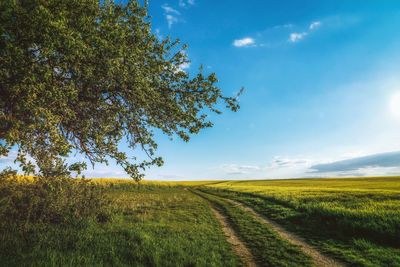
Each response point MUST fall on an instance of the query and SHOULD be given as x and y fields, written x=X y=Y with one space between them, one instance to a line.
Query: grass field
x=355 y=221
x=266 y=246
x=153 y=226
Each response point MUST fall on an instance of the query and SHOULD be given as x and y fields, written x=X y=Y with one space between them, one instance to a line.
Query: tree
x=85 y=75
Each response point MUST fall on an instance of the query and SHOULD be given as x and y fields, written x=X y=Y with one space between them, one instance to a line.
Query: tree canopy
x=86 y=75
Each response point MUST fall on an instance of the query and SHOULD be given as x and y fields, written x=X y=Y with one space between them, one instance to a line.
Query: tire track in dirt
x=318 y=258
x=238 y=246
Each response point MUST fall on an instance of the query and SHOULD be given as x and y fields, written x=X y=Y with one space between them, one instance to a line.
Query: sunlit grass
x=335 y=214
x=161 y=223
x=152 y=224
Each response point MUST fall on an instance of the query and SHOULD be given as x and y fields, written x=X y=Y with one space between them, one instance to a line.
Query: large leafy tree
x=84 y=75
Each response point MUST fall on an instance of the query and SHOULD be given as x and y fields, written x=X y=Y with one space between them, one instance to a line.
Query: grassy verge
x=266 y=246
x=152 y=226
x=356 y=223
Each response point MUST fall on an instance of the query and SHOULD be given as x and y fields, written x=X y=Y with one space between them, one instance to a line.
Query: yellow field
x=374 y=196
x=354 y=219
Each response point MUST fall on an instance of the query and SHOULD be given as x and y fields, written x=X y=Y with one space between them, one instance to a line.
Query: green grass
x=356 y=220
x=153 y=225
x=163 y=224
x=266 y=246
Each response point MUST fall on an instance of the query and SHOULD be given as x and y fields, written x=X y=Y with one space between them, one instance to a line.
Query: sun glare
x=395 y=104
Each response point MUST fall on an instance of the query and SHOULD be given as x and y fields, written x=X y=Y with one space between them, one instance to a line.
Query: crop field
x=355 y=220
x=308 y=222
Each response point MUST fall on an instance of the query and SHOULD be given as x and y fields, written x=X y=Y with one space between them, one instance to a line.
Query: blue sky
x=321 y=82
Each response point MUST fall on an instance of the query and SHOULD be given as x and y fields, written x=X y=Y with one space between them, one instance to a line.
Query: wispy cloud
x=278 y=167
x=170 y=10
x=280 y=34
x=247 y=41
x=282 y=26
x=288 y=162
x=314 y=25
x=171 y=15
x=239 y=169
x=174 y=15
x=302 y=166
x=297 y=36
x=171 y=20
x=185 y=3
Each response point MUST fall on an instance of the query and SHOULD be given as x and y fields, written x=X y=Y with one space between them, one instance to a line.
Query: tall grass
x=152 y=225
x=339 y=215
x=59 y=200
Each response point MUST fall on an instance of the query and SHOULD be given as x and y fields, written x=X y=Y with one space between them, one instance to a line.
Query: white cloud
x=184 y=66
x=303 y=166
x=283 y=26
x=287 y=162
x=171 y=20
x=184 y=3
x=170 y=10
x=244 y=42
x=171 y=15
x=297 y=36
x=239 y=169
x=279 y=166
x=314 y=25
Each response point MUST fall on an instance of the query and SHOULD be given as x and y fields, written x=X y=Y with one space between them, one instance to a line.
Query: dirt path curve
x=238 y=246
x=318 y=258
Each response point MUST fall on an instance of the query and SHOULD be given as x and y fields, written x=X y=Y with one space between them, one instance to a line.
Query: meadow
x=356 y=220
x=151 y=225
x=353 y=221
